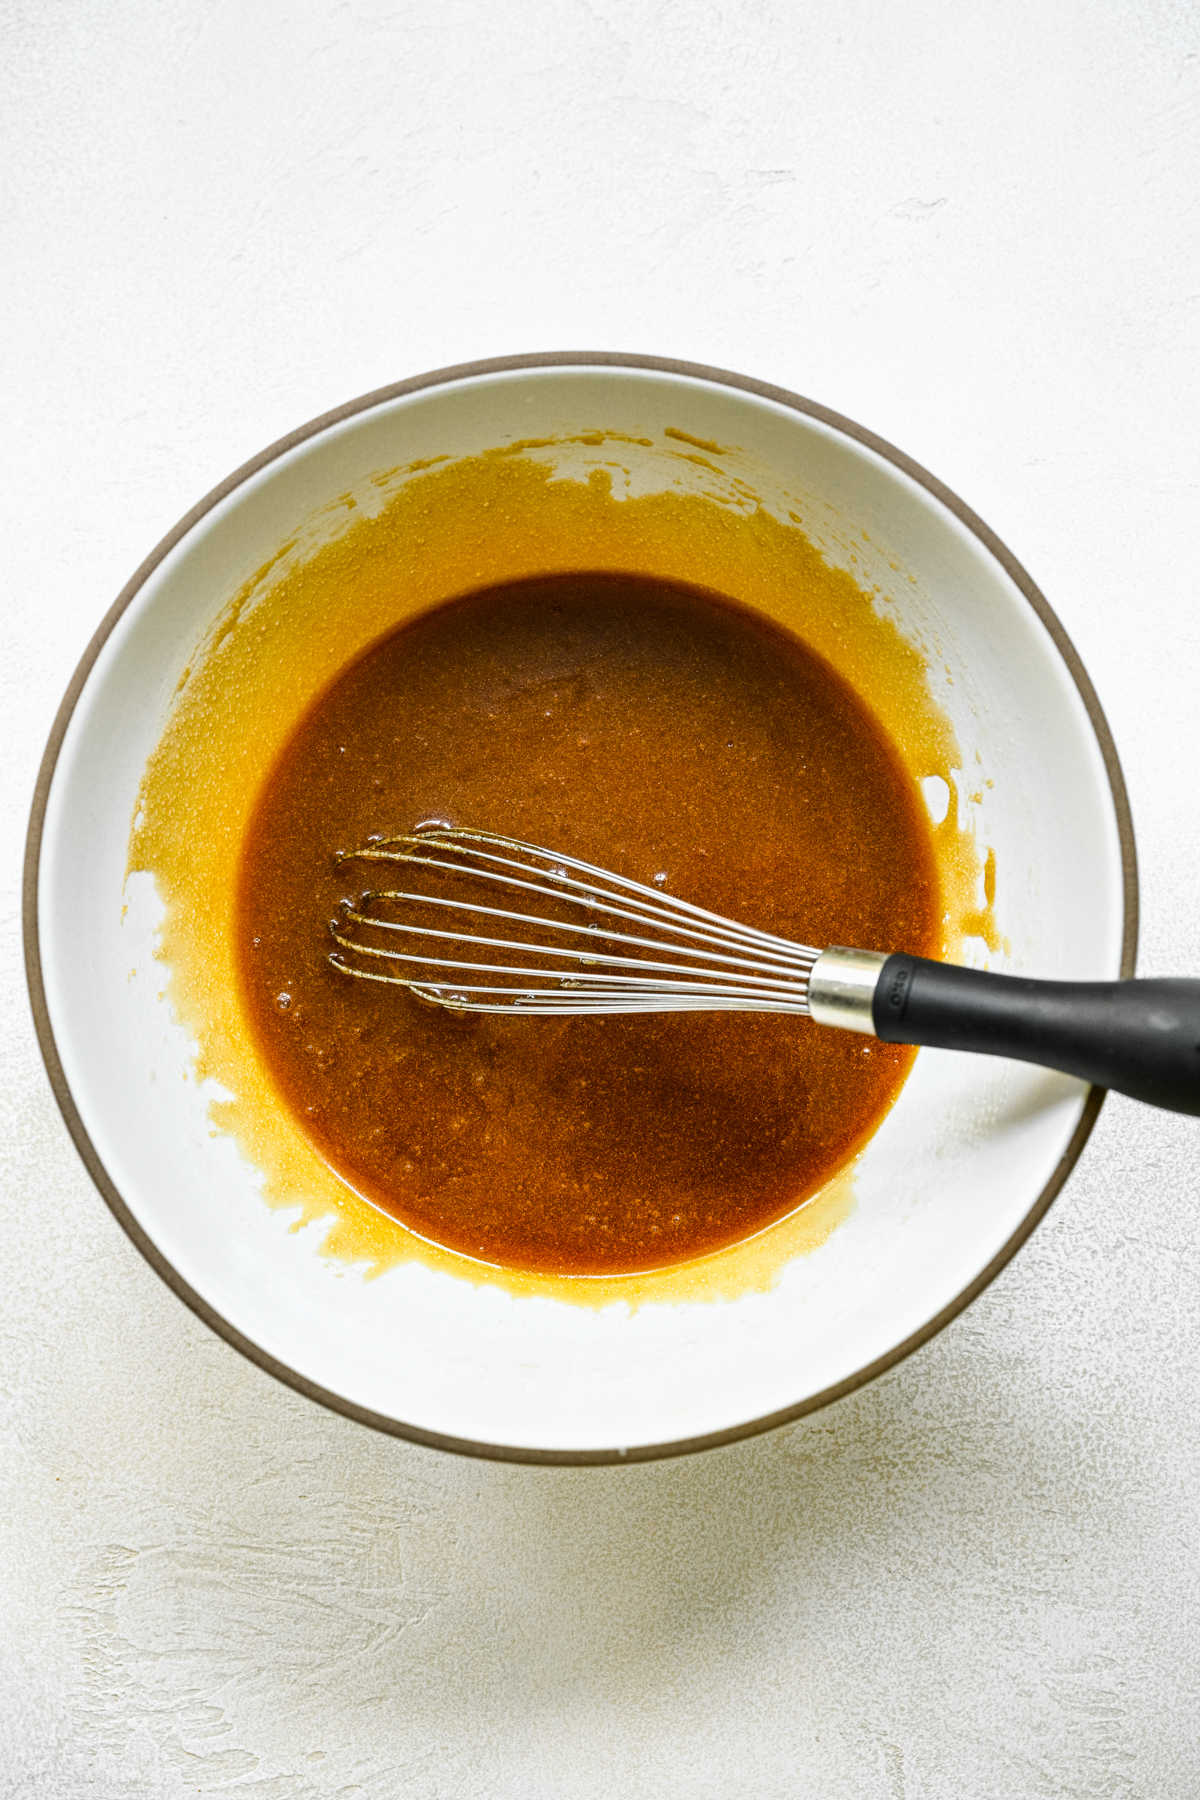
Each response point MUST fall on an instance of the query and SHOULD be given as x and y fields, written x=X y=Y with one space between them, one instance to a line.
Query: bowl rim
x=524 y=362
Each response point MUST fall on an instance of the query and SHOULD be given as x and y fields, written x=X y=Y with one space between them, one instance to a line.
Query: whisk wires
x=594 y=942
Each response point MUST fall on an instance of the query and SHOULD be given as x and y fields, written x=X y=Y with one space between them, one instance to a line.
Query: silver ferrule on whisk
x=841 y=988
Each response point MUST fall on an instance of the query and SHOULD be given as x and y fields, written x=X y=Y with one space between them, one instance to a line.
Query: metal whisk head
x=495 y=925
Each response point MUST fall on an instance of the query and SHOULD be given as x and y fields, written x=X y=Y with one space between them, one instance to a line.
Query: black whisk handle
x=1140 y=1037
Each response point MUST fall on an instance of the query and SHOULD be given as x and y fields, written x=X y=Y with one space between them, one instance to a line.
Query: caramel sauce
x=656 y=730
x=397 y=547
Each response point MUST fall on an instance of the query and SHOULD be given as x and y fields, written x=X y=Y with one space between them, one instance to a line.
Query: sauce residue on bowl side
x=398 y=547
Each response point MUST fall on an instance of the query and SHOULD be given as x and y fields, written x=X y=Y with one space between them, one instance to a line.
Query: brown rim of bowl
x=33 y=966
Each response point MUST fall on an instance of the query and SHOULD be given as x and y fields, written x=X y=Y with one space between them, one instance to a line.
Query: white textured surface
x=975 y=229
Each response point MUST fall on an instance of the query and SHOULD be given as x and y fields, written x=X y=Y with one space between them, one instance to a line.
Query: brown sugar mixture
x=663 y=732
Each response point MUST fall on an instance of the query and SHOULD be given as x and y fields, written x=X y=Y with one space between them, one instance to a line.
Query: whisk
x=508 y=927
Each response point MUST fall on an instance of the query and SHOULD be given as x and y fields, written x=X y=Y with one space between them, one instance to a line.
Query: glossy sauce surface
x=659 y=731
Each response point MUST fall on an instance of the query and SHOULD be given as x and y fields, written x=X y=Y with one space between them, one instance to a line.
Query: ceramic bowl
x=963 y=1167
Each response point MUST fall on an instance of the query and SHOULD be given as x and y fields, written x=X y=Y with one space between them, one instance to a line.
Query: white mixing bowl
x=964 y=1166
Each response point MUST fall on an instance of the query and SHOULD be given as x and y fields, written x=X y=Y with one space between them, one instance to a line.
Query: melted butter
x=351 y=576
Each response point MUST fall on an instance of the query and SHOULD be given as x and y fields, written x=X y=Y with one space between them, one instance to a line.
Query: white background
x=975 y=228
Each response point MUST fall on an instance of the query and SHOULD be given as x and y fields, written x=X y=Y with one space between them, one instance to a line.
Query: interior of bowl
x=967 y=1158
